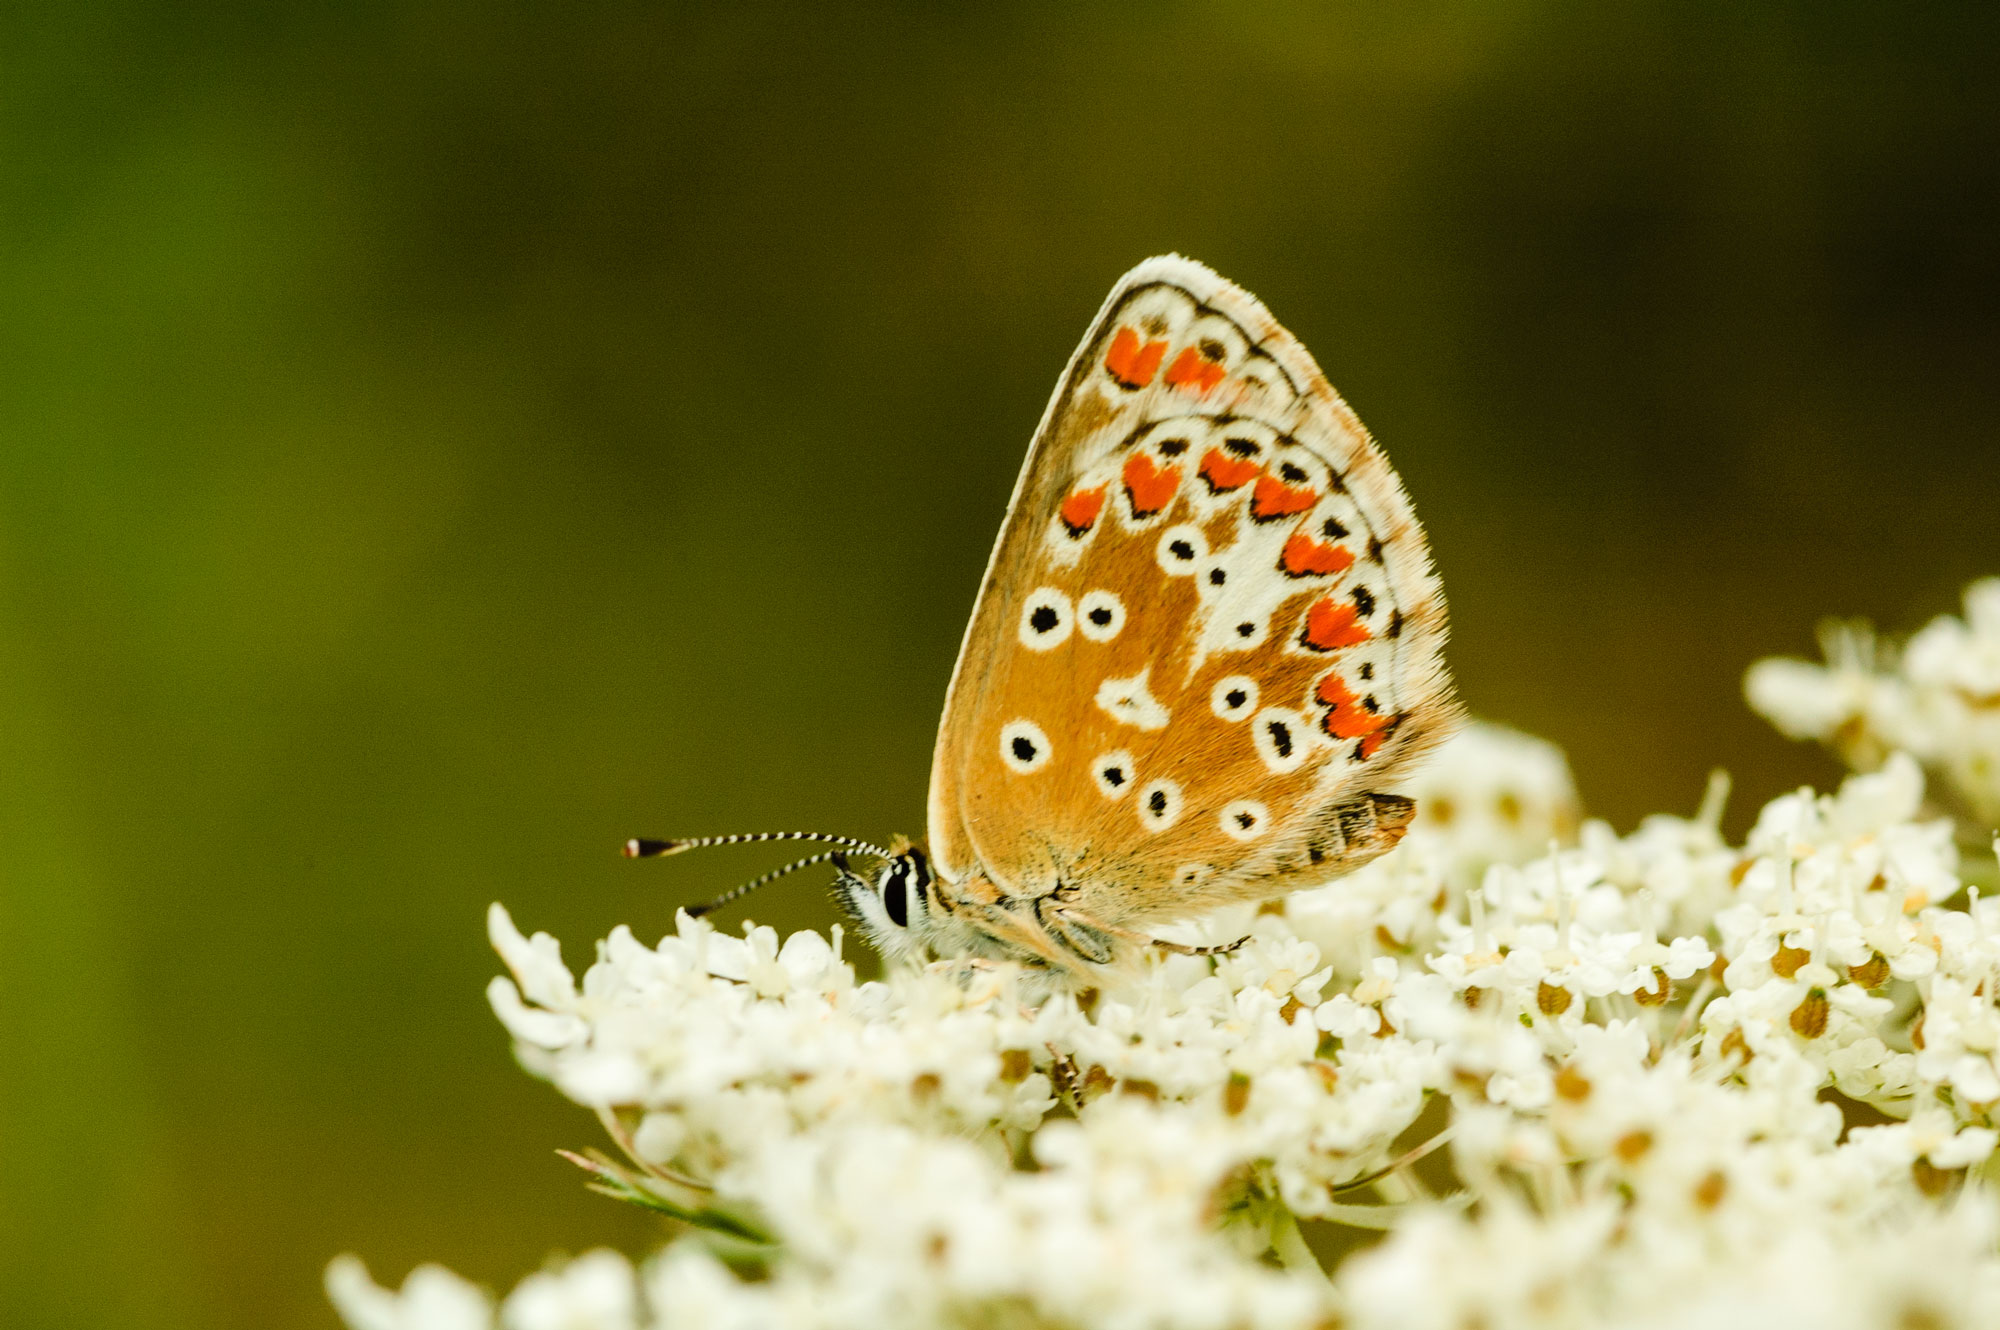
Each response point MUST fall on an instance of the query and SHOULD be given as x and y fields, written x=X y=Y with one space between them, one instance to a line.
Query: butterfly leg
x=1097 y=945
x=963 y=970
x=1019 y=935
x=1183 y=949
x=1078 y=919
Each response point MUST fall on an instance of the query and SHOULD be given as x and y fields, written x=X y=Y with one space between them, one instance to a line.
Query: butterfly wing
x=1210 y=624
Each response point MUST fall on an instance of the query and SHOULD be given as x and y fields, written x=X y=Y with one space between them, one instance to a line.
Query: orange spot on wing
x=1223 y=472
x=1151 y=487
x=1130 y=362
x=1332 y=624
x=1194 y=371
x=1079 y=511
x=1274 y=498
x=1349 y=717
x=1306 y=557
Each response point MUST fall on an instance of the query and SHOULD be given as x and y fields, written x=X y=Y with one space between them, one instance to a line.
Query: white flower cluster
x=1680 y=1082
x=1937 y=699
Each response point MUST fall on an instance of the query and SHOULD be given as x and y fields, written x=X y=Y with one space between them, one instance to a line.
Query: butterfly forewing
x=1210 y=622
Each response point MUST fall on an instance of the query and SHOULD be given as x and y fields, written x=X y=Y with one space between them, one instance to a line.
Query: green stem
x=1290 y=1246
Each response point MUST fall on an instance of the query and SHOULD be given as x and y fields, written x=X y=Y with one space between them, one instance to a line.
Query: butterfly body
x=1208 y=645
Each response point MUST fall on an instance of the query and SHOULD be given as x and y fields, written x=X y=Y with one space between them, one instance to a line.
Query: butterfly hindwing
x=1209 y=628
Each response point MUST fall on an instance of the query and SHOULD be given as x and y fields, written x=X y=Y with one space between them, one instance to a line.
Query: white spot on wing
x=1113 y=773
x=1245 y=631
x=1128 y=702
x=1063 y=548
x=1046 y=619
x=1298 y=468
x=1268 y=376
x=1234 y=698
x=1160 y=804
x=1023 y=746
x=1281 y=737
x=1245 y=819
x=1181 y=550
x=1100 y=616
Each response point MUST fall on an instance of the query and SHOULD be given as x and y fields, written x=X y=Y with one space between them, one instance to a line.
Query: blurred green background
x=437 y=442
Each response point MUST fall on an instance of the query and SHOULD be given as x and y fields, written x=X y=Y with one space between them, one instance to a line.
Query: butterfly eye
x=1245 y=819
x=1023 y=746
x=1280 y=735
x=1159 y=804
x=896 y=893
x=1113 y=773
x=1233 y=698
x=1181 y=549
x=1046 y=619
x=1100 y=616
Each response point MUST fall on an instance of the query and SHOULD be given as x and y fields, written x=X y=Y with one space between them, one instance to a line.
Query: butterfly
x=1207 y=648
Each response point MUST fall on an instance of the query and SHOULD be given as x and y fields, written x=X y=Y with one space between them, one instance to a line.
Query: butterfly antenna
x=642 y=848
x=706 y=907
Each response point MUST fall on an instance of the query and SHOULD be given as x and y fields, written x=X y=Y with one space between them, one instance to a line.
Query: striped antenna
x=641 y=848
x=697 y=911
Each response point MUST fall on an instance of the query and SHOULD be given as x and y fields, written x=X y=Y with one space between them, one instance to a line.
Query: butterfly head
x=894 y=902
